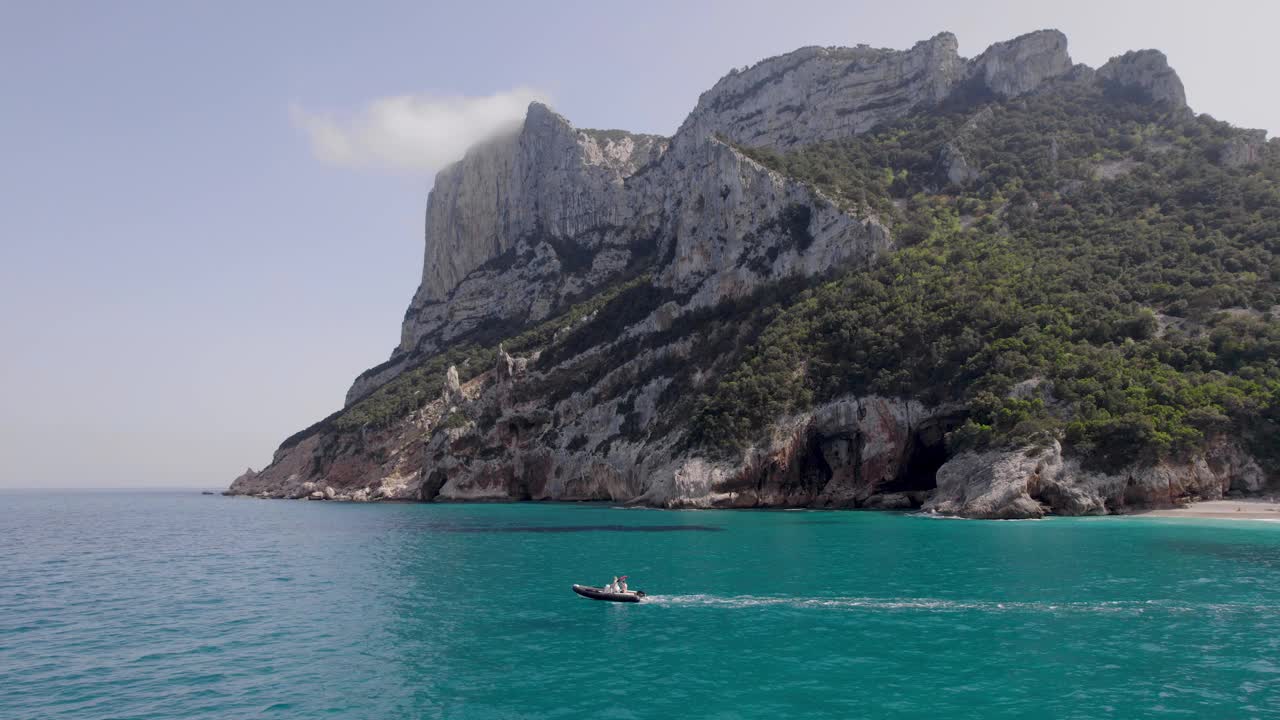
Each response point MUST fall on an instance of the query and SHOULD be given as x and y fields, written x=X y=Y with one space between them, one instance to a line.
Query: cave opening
x=814 y=469
x=830 y=469
x=926 y=453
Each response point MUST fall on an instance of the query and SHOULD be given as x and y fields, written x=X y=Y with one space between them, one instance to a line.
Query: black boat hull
x=596 y=593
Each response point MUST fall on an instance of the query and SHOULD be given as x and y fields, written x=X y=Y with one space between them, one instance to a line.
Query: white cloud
x=412 y=132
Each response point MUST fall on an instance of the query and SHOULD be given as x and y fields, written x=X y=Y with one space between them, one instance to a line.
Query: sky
x=211 y=212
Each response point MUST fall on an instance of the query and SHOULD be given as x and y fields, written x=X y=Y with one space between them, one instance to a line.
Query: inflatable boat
x=596 y=593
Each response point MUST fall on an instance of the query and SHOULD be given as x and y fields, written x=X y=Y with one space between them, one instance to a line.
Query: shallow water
x=176 y=605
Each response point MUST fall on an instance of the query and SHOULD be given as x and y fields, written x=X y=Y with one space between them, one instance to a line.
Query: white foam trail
x=937 y=516
x=1135 y=607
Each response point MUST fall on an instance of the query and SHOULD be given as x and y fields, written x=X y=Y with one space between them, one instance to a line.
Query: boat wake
x=1133 y=607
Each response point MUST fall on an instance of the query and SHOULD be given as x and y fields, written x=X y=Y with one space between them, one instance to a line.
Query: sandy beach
x=1237 y=509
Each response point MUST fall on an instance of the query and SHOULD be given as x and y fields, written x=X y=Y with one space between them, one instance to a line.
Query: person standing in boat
x=613 y=586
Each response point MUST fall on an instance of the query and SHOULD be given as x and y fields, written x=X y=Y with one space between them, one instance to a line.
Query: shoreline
x=1263 y=508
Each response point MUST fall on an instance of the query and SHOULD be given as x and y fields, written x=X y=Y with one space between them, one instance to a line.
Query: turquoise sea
x=177 y=605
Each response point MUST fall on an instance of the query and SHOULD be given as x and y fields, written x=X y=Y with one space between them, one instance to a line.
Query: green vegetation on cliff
x=1103 y=259
x=423 y=383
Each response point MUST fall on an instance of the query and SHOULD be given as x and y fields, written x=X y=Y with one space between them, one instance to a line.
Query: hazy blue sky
x=210 y=212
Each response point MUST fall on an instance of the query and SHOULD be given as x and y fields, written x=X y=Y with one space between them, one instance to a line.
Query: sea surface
x=178 y=605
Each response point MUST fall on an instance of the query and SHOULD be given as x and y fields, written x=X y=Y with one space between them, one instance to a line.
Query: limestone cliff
x=519 y=224
x=818 y=93
x=1146 y=72
x=610 y=264
x=525 y=221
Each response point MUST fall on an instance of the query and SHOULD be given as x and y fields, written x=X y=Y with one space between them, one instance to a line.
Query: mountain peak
x=816 y=93
x=1019 y=66
x=1147 y=73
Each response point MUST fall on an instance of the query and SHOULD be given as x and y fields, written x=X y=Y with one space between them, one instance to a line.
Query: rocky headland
x=585 y=292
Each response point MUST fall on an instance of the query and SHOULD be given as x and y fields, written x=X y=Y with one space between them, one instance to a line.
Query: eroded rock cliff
x=1032 y=482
